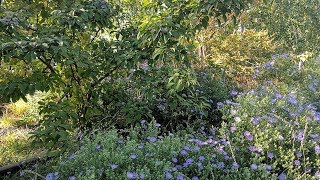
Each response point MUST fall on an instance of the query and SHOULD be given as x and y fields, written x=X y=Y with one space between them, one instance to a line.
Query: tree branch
x=47 y=64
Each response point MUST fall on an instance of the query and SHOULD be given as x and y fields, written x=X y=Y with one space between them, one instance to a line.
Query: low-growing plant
x=145 y=154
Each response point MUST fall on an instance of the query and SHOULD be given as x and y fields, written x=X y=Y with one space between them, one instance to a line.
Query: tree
x=76 y=49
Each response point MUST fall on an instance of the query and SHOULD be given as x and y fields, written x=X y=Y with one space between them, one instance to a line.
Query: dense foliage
x=172 y=89
x=79 y=50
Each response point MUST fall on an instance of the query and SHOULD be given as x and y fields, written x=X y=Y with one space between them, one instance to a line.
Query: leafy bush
x=173 y=96
x=278 y=123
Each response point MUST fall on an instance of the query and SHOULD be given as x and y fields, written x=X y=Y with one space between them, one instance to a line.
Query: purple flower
x=293 y=101
x=201 y=158
x=98 y=147
x=255 y=149
x=268 y=167
x=71 y=156
x=140 y=146
x=310 y=86
x=195 y=178
x=317 y=149
x=183 y=152
x=233 y=93
x=180 y=177
x=152 y=139
x=219 y=104
x=168 y=175
x=113 y=166
x=221 y=165
x=132 y=175
x=235 y=165
x=72 y=178
x=277 y=95
x=297 y=162
x=143 y=121
x=120 y=141
x=282 y=176
x=56 y=175
x=256 y=120
x=248 y=135
x=189 y=161
x=49 y=176
x=132 y=156
x=199 y=164
x=299 y=154
x=157 y=125
x=175 y=160
x=254 y=166
x=270 y=155
x=196 y=148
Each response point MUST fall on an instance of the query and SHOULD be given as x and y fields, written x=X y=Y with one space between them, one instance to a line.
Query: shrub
x=239 y=53
x=278 y=123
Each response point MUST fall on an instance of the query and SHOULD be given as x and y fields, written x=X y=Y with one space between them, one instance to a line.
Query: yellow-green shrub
x=239 y=53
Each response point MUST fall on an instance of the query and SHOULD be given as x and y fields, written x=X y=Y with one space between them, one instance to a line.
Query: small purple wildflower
x=152 y=139
x=233 y=93
x=199 y=164
x=299 y=154
x=277 y=95
x=282 y=176
x=132 y=156
x=140 y=146
x=132 y=175
x=72 y=178
x=270 y=155
x=235 y=165
x=157 y=125
x=297 y=162
x=143 y=121
x=221 y=165
x=248 y=135
x=175 y=160
x=168 y=175
x=71 y=156
x=196 y=149
x=98 y=147
x=183 y=152
x=113 y=166
x=201 y=158
x=254 y=166
x=180 y=177
x=195 y=178
x=49 y=176
x=56 y=175
x=219 y=104
x=317 y=149
x=256 y=120
x=310 y=86
x=268 y=167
